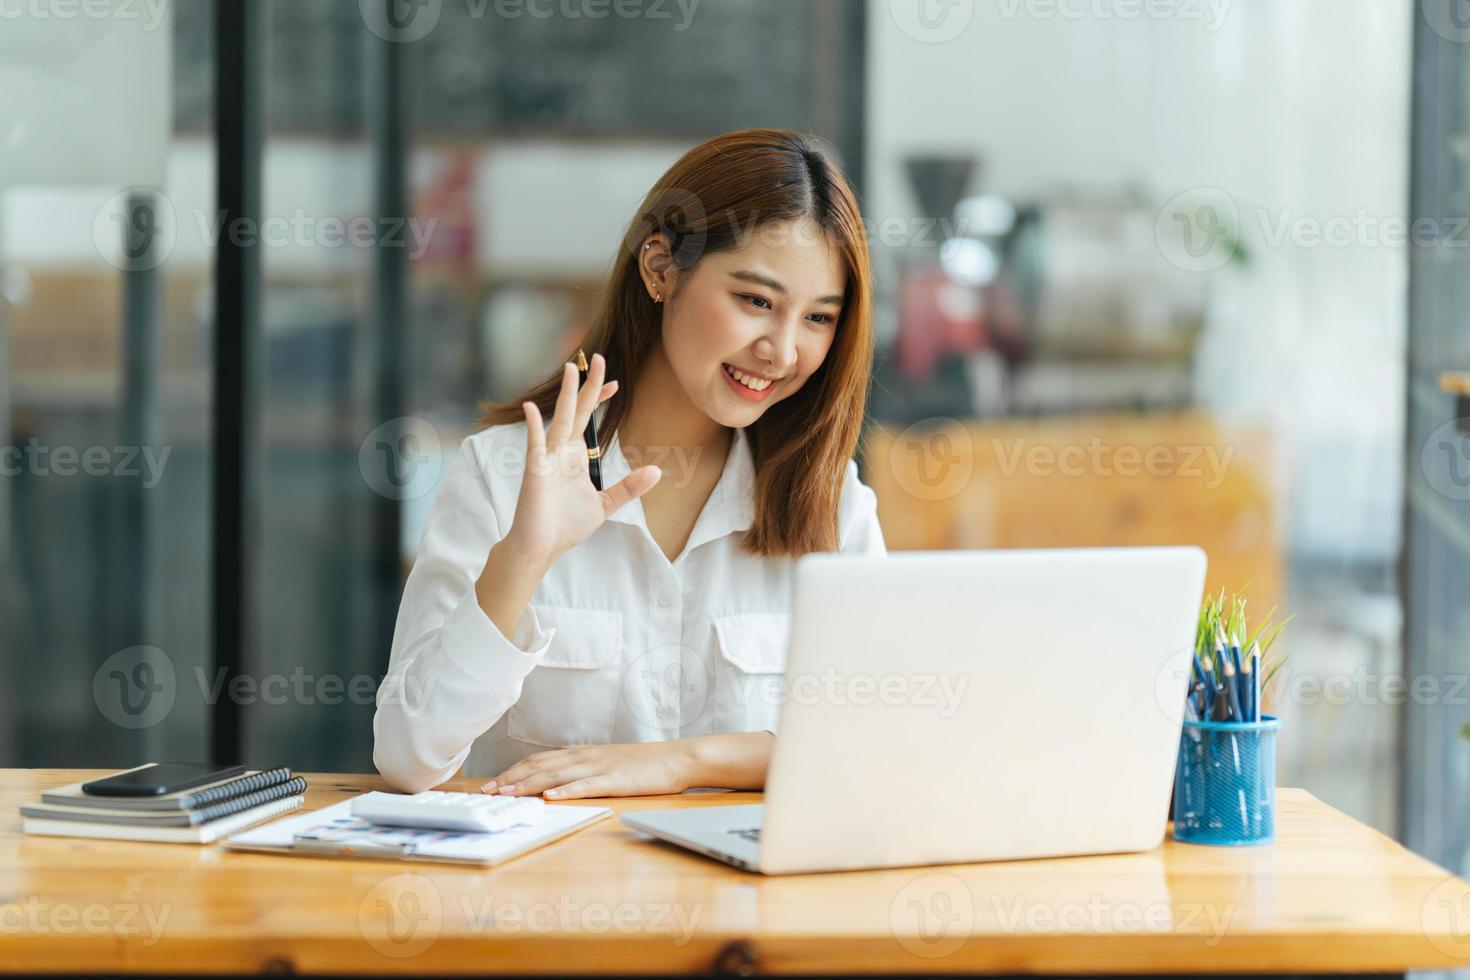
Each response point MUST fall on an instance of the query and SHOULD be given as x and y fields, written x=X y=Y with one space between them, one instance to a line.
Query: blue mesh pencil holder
x=1225 y=783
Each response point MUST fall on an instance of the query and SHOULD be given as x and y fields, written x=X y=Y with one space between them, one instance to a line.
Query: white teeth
x=754 y=384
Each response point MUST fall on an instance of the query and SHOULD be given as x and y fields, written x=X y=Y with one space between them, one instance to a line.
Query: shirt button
x=664 y=601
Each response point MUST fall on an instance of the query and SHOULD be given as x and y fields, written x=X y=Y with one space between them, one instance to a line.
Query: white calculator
x=472 y=812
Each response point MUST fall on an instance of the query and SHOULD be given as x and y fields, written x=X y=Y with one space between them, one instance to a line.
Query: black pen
x=1219 y=706
x=594 y=452
x=1232 y=692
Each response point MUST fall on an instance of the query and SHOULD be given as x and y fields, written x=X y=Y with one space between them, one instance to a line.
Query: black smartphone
x=159 y=780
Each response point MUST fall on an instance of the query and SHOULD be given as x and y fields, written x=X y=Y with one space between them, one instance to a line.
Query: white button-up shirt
x=618 y=644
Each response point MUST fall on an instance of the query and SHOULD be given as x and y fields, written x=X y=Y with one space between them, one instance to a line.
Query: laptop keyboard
x=752 y=834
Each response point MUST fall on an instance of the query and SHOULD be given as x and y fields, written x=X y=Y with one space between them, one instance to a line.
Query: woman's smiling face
x=749 y=325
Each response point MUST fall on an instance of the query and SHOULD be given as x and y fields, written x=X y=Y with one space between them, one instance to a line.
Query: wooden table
x=1330 y=896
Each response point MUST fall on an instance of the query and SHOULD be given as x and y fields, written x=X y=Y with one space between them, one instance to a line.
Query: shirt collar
x=730 y=507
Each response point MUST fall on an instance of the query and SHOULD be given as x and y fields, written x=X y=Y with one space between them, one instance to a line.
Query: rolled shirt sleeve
x=452 y=673
x=858 y=517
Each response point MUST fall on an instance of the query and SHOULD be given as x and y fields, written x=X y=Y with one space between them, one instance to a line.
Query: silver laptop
x=954 y=706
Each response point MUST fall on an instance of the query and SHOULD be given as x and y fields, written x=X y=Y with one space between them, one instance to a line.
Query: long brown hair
x=711 y=200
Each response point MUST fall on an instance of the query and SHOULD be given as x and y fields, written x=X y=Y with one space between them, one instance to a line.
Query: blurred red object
x=444 y=211
x=936 y=317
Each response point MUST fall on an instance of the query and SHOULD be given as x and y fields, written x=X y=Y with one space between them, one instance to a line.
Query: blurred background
x=1191 y=271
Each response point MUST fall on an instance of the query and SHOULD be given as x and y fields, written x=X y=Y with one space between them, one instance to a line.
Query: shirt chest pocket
x=571 y=696
x=749 y=681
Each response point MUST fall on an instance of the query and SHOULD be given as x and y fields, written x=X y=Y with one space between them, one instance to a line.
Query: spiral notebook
x=189 y=799
x=201 y=834
x=102 y=812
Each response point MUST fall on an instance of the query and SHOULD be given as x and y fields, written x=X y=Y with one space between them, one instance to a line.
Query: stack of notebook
x=193 y=816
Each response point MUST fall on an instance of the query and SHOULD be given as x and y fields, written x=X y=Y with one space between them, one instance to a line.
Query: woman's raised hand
x=558 y=506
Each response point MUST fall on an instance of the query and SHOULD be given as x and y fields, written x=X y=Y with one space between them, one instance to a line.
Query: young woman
x=574 y=643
